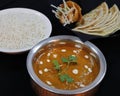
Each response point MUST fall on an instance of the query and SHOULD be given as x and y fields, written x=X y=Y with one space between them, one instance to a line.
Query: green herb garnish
x=66 y=77
x=56 y=65
x=70 y=59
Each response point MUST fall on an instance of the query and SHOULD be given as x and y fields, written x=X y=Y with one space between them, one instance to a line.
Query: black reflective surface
x=14 y=78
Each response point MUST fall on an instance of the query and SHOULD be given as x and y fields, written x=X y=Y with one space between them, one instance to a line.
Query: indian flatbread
x=108 y=24
x=94 y=16
x=108 y=20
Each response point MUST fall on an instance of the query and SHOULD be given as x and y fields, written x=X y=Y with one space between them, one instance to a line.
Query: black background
x=14 y=78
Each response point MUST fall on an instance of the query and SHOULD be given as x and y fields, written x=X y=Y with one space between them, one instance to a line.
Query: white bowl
x=22 y=28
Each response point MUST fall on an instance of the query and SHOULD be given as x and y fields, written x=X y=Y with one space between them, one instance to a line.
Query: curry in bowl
x=66 y=65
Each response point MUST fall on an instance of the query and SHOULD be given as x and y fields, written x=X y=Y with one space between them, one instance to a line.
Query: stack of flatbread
x=101 y=21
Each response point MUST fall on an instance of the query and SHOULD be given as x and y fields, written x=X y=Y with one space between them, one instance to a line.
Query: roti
x=108 y=24
x=107 y=21
x=94 y=16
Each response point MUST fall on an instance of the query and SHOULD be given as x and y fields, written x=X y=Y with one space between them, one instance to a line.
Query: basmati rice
x=21 y=30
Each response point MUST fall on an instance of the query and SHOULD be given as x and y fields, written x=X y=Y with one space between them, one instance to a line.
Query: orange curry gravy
x=66 y=65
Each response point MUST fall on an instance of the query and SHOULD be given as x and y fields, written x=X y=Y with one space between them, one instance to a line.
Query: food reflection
x=66 y=65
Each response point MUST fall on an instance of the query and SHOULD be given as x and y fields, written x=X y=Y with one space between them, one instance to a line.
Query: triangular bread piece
x=95 y=15
x=110 y=18
x=109 y=26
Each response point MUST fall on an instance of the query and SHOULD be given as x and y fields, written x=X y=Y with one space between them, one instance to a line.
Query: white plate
x=22 y=28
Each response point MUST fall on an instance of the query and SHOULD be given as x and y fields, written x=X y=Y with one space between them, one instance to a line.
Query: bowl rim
x=26 y=10
x=99 y=78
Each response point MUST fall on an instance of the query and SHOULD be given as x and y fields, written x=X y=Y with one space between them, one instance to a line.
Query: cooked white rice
x=21 y=30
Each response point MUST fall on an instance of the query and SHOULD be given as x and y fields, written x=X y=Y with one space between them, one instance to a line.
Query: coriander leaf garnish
x=66 y=77
x=70 y=59
x=65 y=60
x=56 y=65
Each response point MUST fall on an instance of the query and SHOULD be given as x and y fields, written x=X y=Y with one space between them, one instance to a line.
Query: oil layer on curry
x=66 y=65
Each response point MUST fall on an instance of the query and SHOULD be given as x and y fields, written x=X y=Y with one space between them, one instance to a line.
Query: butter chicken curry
x=66 y=65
